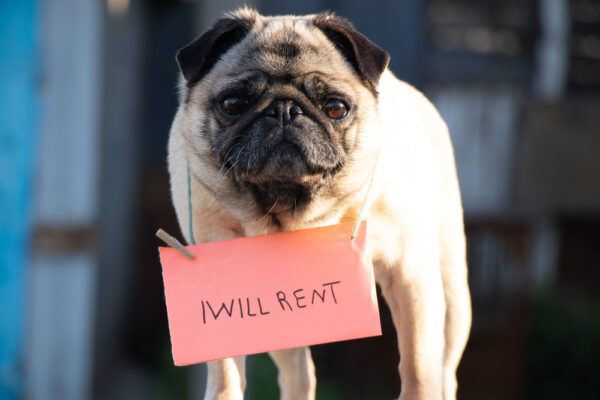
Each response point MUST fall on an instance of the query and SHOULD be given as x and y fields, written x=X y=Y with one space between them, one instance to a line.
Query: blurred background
x=87 y=94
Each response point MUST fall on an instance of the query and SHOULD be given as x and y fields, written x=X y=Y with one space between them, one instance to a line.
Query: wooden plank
x=67 y=188
x=62 y=300
x=63 y=274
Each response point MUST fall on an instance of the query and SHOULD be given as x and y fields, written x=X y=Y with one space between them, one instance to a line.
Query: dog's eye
x=233 y=106
x=335 y=109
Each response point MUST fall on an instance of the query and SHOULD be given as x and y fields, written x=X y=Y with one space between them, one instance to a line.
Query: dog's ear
x=197 y=58
x=366 y=57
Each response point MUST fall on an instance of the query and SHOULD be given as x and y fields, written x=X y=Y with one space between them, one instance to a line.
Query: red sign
x=271 y=292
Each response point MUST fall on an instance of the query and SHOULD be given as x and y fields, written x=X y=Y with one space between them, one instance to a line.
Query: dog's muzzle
x=284 y=156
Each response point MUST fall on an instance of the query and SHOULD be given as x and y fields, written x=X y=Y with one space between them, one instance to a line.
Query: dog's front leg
x=226 y=379
x=415 y=296
x=296 y=373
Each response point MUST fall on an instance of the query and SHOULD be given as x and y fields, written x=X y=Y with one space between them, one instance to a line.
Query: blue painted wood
x=18 y=116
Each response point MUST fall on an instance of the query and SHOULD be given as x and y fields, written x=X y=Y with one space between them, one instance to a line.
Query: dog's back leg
x=456 y=291
x=452 y=248
x=296 y=373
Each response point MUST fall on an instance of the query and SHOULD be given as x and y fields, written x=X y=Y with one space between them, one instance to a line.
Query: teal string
x=189 y=203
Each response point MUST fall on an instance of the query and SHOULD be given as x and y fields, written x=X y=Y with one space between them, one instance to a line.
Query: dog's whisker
x=225 y=160
x=236 y=161
x=270 y=209
x=221 y=176
x=248 y=164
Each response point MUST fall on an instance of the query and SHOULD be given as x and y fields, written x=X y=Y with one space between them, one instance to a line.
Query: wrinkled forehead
x=290 y=47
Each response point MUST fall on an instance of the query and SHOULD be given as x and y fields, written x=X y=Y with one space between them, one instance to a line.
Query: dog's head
x=279 y=114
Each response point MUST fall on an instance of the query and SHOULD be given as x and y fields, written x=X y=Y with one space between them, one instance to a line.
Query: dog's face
x=279 y=114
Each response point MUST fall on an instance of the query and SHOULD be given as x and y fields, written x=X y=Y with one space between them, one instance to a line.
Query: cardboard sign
x=271 y=292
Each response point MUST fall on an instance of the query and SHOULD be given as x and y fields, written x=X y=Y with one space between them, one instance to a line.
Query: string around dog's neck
x=359 y=217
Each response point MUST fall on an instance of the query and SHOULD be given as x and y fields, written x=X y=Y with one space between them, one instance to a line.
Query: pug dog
x=293 y=122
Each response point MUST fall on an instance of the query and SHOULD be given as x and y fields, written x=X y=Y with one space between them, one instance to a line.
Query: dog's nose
x=283 y=110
